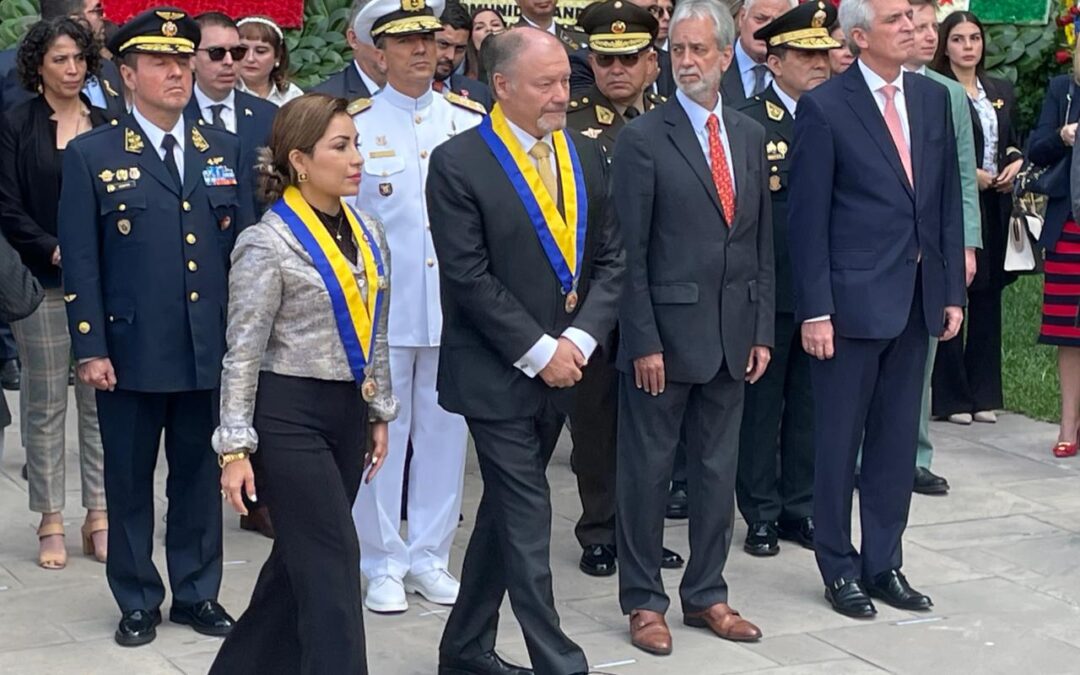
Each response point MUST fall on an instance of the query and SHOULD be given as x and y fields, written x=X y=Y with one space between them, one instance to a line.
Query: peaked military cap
x=162 y=30
x=618 y=27
x=379 y=18
x=804 y=27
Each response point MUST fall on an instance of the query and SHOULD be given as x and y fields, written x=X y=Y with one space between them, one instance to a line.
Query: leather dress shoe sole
x=486 y=664
x=182 y=618
x=921 y=604
x=699 y=622
x=670 y=560
x=761 y=550
x=862 y=612
x=127 y=640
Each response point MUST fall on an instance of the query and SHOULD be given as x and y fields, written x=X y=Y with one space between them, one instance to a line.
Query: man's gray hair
x=749 y=4
x=710 y=9
x=499 y=52
x=856 y=14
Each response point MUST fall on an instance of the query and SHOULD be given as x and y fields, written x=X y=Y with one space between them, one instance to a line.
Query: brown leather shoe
x=258 y=520
x=725 y=622
x=649 y=632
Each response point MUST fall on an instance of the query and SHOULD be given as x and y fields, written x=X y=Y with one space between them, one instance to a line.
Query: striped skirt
x=1061 y=290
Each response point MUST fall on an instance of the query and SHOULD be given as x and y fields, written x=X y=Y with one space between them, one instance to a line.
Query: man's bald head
x=533 y=97
x=507 y=49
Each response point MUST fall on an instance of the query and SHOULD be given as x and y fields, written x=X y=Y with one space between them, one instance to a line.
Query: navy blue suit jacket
x=1046 y=148
x=145 y=262
x=856 y=225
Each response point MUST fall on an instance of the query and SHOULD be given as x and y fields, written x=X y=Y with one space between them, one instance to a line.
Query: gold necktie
x=541 y=152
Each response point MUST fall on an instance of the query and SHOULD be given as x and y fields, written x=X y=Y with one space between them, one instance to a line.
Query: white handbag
x=1019 y=255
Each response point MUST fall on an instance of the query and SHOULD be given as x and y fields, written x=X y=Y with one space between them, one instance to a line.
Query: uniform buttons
x=418 y=119
x=84 y=327
x=190 y=238
x=423 y=154
x=431 y=262
x=775 y=168
x=186 y=206
x=122 y=207
x=192 y=266
x=194 y=297
x=111 y=318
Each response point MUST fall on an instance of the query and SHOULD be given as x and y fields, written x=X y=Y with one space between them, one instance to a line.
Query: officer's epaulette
x=465 y=102
x=358 y=106
x=579 y=103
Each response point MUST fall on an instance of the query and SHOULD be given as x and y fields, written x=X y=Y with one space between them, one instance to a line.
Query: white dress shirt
x=746 y=69
x=875 y=82
x=396 y=136
x=550 y=28
x=372 y=85
x=276 y=96
x=228 y=113
x=541 y=353
x=788 y=102
x=155 y=134
x=699 y=119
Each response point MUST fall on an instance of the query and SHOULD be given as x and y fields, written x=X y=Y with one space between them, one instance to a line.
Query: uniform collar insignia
x=133 y=142
x=198 y=140
x=247 y=112
x=592 y=133
x=108 y=88
x=775 y=112
x=603 y=115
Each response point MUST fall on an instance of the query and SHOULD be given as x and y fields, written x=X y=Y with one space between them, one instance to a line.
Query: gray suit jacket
x=697 y=289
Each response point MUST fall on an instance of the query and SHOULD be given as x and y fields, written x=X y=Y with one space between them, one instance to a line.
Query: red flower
x=1062 y=56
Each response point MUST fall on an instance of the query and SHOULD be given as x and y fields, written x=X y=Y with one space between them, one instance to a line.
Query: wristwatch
x=227 y=458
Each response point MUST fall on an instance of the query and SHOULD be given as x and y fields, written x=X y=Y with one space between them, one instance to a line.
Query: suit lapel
x=148 y=157
x=861 y=100
x=737 y=143
x=685 y=139
x=915 y=102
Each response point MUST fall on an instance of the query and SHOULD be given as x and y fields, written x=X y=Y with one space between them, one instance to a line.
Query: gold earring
x=302 y=177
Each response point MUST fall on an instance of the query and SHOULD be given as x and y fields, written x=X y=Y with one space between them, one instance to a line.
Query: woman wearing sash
x=305 y=387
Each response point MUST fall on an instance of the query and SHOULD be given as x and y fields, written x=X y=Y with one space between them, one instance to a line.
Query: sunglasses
x=608 y=60
x=657 y=11
x=218 y=53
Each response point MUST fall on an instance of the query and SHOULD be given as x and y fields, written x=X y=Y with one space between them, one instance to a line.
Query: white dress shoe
x=386 y=595
x=986 y=416
x=960 y=418
x=438 y=586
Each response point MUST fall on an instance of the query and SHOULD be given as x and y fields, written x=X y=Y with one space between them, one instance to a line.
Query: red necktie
x=438 y=85
x=720 y=174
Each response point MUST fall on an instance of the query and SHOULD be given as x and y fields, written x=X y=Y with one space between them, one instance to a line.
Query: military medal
x=774 y=183
x=571 y=302
x=370 y=390
x=386 y=189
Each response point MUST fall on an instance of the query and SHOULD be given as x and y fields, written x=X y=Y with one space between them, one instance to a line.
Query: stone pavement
x=998 y=555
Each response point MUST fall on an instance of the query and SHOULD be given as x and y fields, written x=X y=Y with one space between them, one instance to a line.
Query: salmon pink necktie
x=896 y=130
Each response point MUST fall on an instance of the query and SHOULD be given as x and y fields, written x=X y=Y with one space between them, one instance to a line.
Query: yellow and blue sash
x=357 y=320
x=563 y=240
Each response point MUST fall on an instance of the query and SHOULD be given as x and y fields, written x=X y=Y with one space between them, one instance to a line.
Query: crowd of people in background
x=744 y=253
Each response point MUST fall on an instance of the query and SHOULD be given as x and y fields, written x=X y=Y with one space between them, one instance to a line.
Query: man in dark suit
x=362 y=78
x=748 y=75
x=776 y=497
x=526 y=299
x=877 y=244
x=622 y=66
x=148 y=214
x=541 y=14
x=450 y=44
x=696 y=320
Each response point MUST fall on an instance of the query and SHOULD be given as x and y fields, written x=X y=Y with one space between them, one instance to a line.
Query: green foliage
x=1024 y=55
x=1028 y=370
x=16 y=16
x=319 y=49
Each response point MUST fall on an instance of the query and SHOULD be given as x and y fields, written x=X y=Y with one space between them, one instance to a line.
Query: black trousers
x=305 y=614
x=509 y=552
x=967 y=373
x=869 y=392
x=708 y=416
x=132 y=424
x=776 y=439
x=593 y=427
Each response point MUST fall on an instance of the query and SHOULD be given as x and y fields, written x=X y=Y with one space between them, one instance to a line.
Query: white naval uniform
x=396 y=135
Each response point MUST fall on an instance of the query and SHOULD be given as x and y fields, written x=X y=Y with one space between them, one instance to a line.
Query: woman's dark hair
x=42 y=35
x=298 y=125
x=941 y=61
x=263 y=28
x=473 y=65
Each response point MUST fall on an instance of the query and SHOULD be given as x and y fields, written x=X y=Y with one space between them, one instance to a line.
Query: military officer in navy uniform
x=776 y=498
x=149 y=211
x=541 y=14
x=622 y=58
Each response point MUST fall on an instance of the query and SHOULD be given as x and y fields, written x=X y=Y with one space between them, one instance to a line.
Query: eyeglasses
x=608 y=60
x=657 y=11
x=218 y=53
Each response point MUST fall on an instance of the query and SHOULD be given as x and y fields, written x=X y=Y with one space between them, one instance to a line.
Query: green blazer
x=965 y=151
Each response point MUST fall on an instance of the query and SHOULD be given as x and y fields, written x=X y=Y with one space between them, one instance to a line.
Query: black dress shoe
x=670 y=560
x=928 y=483
x=24 y=474
x=598 y=561
x=678 y=508
x=10 y=377
x=137 y=627
x=800 y=531
x=206 y=617
x=488 y=663
x=848 y=597
x=761 y=539
x=895 y=590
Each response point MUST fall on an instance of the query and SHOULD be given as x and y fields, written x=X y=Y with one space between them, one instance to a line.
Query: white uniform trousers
x=435 y=477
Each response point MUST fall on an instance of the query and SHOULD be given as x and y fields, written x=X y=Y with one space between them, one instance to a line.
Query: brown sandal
x=52 y=561
x=89 y=528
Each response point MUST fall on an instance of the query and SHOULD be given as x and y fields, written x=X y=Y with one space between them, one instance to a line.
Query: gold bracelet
x=227 y=458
